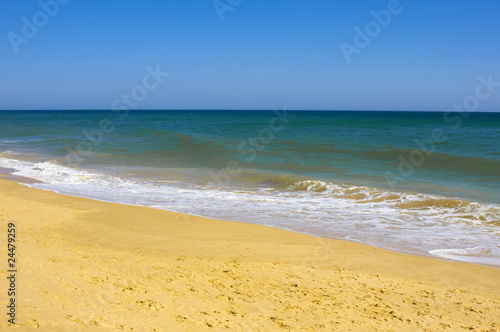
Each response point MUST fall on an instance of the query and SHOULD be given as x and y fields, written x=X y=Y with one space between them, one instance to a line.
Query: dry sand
x=89 y=265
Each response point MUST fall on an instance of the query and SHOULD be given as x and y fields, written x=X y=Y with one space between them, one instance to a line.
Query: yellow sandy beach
x=90 y=265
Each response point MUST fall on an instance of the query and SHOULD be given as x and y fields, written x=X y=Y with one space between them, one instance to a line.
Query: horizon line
x=246 y=110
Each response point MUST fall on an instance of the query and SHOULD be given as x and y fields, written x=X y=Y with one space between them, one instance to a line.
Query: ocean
x=425 y=183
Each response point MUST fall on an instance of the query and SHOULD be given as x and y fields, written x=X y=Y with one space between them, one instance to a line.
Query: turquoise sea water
x=417 y=182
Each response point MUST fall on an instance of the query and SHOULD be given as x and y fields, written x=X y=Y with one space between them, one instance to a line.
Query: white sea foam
x=10 y=140
x=24 y=139
x=414 y=223
x=478 y=255
x=11 y=153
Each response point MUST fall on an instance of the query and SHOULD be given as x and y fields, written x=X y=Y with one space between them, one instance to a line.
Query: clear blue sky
x=263 y=55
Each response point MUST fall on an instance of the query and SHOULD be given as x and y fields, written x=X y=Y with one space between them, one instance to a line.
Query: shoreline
x=5 y=173
x=401 y=250
x=375 y=218
x=137 y=267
